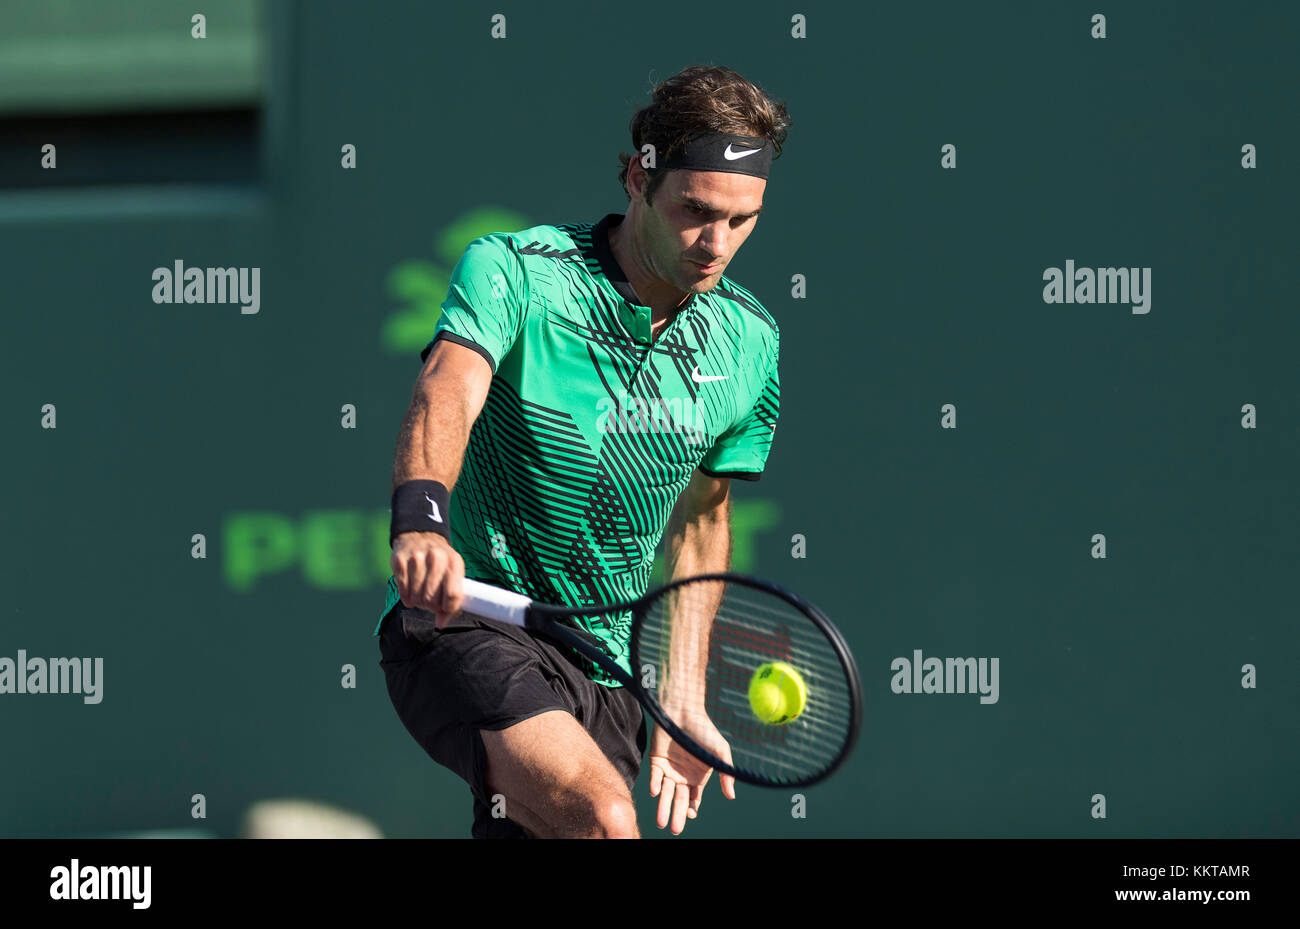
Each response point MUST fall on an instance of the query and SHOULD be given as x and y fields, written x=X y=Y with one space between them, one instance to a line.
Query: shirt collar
x=637 y=322
x=605 y=255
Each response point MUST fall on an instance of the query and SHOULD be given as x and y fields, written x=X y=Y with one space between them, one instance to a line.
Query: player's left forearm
x=697 y=541
x=698 y=537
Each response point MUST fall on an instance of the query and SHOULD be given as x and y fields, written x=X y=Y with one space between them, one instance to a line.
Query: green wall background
x=1119 y=676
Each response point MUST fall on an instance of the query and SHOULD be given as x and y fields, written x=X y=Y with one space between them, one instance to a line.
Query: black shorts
x=481 y=674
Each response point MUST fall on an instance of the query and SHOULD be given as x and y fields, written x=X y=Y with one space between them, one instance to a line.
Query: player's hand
x=430 y=574
x=677 y=777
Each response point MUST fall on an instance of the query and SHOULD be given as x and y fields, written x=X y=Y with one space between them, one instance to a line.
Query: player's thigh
x=554 y=770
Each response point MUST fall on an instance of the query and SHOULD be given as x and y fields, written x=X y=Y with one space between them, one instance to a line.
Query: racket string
x=724 y=633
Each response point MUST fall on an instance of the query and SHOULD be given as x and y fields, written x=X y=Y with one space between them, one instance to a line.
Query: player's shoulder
x=740 y=305
x=736 y=297
x=545 y=240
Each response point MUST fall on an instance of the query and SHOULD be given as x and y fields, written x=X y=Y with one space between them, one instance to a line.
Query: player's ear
x=636 y=179
x=639 y=182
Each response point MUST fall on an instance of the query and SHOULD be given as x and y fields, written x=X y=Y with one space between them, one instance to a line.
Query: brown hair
x=699 y=99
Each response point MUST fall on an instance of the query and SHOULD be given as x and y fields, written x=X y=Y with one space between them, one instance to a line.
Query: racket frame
x=482 y=599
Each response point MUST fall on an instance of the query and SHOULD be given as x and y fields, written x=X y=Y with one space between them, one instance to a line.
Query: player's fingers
x=441 y=601
x=656 y=778
x=682 y=801
x=697 y=794
x=453 y=586
x=398 y=566
x=431 y=593
x=414 y=574
x=726 y=781
x=728 y=786
x=666 y=794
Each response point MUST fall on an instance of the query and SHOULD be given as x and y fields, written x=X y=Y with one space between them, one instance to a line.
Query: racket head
x=752 y=622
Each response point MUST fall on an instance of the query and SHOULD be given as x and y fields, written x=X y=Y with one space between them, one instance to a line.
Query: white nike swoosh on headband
x=699 y=378
x=732 y=156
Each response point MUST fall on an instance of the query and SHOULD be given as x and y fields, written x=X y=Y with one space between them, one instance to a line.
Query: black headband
x=722 y=151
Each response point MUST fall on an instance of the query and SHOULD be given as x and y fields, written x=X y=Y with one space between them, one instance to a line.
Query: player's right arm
x=482 y=317
x=447 y=398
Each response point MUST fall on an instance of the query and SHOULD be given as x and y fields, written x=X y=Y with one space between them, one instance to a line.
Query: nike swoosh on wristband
x=699 y=378
x=732 y=156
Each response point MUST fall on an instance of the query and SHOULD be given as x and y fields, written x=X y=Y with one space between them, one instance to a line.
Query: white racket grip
x=494 y=603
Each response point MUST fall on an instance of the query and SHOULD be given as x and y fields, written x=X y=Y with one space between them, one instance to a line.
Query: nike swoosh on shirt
x=732 y=156
x=699 y=378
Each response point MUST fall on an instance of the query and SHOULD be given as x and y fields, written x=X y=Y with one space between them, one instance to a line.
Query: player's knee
x=616 y=818
x=596 y=814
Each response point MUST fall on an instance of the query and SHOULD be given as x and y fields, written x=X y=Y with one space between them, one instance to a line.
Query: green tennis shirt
x=591 y=428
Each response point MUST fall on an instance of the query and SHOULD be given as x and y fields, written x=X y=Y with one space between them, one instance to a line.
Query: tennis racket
x=695 y=646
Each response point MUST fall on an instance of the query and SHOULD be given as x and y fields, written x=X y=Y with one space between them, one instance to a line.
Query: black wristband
x=420 y=506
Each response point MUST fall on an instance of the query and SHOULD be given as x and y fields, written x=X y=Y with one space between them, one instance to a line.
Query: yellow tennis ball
x=777 y=693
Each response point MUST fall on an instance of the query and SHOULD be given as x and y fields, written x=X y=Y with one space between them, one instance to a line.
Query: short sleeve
x=486 y=300
x=741 y=451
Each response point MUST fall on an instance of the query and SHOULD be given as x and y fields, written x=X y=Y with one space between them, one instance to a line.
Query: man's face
x=698 y=219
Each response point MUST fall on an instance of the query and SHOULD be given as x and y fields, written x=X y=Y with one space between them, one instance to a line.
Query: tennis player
x=590 y=388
